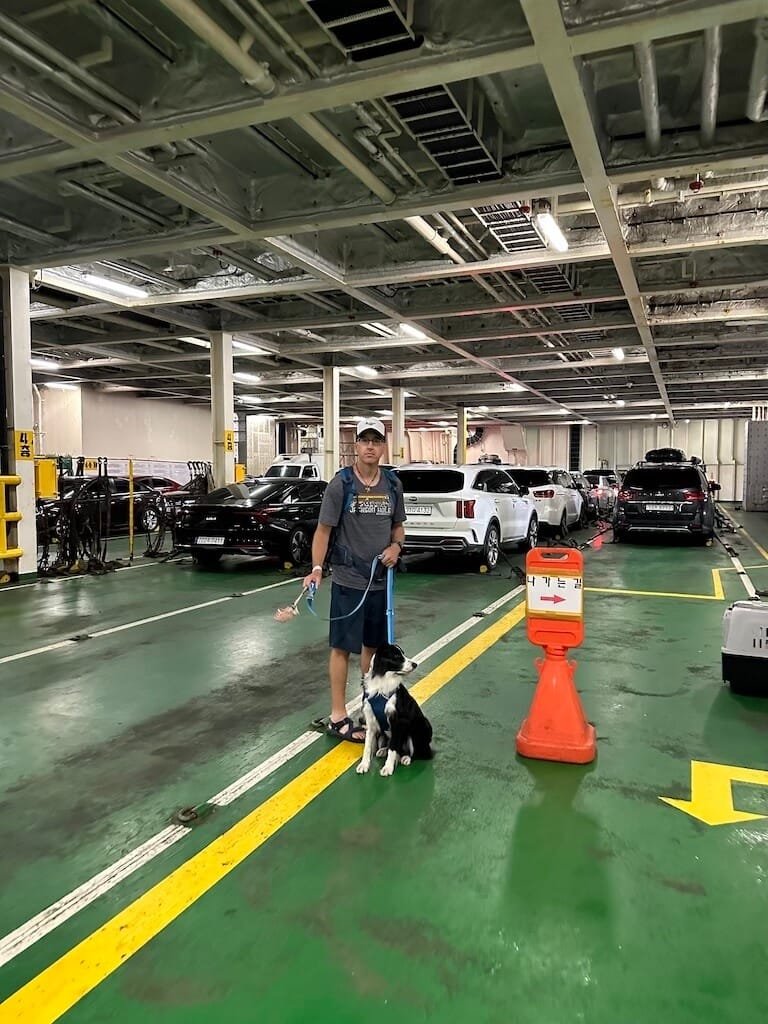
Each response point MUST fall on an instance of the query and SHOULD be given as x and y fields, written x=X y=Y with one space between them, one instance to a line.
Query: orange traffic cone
x=556 y=729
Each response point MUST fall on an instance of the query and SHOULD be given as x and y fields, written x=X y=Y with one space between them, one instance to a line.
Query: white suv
x=472 y=510
x=558 y=500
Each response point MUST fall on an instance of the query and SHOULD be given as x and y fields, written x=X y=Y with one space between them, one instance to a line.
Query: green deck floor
x=479 y=887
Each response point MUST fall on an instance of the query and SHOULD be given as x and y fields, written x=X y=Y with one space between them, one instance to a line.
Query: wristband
x=317 y=568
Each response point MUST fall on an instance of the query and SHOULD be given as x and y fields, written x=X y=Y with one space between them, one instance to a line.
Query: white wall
x=94 y=423
x=720 y=443
x=61 y=422
x=123 y=426
x=547 y=446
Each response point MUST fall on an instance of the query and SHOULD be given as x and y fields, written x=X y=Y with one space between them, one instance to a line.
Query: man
x=370 y=527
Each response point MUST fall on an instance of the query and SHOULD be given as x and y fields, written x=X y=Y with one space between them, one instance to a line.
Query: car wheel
x=492 y=547
x=532 y=536
x=563 y=527
x=299 y=547
x=150 y=520
x=206 y=559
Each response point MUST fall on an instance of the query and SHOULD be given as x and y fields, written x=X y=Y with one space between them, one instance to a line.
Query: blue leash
x=390 y=601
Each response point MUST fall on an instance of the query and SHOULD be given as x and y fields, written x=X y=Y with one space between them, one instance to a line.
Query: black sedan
x=86 y=493
x=262 y=517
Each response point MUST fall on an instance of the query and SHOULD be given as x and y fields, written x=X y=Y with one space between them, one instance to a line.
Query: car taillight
x=465 y=509
x=625 y=495
x=543 y=494
x=693 y=494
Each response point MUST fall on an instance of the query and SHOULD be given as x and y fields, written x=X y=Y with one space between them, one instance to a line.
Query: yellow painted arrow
x=712 y=796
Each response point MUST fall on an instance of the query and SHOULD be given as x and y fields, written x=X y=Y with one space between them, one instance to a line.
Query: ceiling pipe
x=710 y=83
x=257 y=75
x=435 y=239
x=69 y=67
x=758 y=184
x=645 y=62
x=23 y=53
x=758 y=79
x=253 y=72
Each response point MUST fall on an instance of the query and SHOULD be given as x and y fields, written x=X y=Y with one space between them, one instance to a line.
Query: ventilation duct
x=373 y=30
x=456 y=127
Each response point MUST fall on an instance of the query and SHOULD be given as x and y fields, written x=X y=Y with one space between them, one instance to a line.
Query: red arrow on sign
x=555 y=599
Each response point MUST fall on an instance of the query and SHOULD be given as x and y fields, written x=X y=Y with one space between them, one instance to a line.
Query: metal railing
x=7 y=518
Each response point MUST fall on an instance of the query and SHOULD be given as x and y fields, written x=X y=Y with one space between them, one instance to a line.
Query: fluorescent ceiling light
x=115 y=286
x=565 y=412
x=617 y=353
x=197 y=341
x=551 y=232
x=61 y=386
x=246 y=346
x=120 y=387
x=384 y=413
x=620 y=401
x=442 y=423
x=287 y=398
x=366 y=371
x=653 y=415
x=255 y=399
x=247 y=378
x=381 y=329
x=381 y=392
x=509 y=385
x=44 y=364
x=413 y=332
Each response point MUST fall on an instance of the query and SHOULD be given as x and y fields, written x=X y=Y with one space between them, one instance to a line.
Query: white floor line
x=49 y=581
x=140 y=622
x=47 y=920
x=746 y=582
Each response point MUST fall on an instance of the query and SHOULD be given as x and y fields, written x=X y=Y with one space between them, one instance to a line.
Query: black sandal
x=345 y=730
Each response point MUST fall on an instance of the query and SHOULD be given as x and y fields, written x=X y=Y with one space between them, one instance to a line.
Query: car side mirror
x=715 y=486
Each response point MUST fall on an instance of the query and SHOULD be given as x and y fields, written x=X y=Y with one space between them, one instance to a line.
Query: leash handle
x=390 y=605
x=336 y=618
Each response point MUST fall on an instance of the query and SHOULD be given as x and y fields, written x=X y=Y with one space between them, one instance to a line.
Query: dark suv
x=669 y=497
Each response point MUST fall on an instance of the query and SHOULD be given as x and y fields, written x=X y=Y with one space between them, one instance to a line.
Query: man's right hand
x=316 y=577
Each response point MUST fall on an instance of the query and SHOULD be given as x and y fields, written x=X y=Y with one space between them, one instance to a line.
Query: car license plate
x=661 y=507
x=418 y=510
x=209 y=540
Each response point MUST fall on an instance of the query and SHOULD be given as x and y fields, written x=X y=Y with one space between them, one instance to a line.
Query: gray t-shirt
x=365 y=528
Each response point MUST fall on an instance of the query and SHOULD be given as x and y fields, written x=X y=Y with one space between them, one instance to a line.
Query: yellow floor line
x=717 y=584
x=648 y=593
x=758 y=547
x=59 y=987
x=732 y=568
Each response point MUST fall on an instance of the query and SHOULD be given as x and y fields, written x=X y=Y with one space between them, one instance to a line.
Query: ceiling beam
x=568 y=88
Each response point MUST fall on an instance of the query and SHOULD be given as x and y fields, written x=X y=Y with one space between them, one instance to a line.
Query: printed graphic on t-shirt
x=371 y=505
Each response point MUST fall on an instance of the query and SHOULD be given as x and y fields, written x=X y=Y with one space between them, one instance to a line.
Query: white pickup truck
x=304 y=467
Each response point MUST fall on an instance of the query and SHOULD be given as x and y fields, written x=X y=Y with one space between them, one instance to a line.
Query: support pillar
x=17 y=440
x=461 y=435
x=330 y=421
x=242 y=439
x=222 y=408
x=398 y=426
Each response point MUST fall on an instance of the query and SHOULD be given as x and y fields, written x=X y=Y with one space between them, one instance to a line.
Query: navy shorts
x=366 y=628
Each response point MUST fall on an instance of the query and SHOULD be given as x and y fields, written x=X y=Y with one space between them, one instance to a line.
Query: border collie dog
x=396 y=727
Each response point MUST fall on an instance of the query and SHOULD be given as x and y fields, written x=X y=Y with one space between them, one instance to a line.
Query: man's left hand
x=390 y=555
